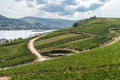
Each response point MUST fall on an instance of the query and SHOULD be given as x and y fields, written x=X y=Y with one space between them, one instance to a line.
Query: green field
x=95 y=63
x=79 y=37
x=15 y=53
x=98 y=63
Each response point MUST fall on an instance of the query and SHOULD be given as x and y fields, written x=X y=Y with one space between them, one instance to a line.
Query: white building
x=3 y=40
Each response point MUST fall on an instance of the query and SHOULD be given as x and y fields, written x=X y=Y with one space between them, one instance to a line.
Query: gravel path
x=34 y=51
x=5 y=78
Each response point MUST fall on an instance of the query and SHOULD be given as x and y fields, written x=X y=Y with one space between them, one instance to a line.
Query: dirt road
x=42 y=58
x=114 y=40
x=34 y=51
x=5 y=78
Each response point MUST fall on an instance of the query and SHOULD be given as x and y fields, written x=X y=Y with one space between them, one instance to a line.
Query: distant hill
x=2 y=17
x=52 y=23
x=32 y=23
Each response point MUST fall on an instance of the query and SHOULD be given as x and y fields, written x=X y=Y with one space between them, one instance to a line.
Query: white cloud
x=65 y=9
x=111 y=9
x=19 y=10
x=55 y=2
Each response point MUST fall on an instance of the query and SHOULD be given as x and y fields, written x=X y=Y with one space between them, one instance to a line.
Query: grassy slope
x=15 y=53
x=100 y=63
x=53 y=39
x=103 y=62
x=98 y=27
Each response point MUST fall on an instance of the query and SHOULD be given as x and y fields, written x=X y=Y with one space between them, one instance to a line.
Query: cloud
x=54 y=8
x=111 y=9
x=104 y=0
x=70 y=2
x=66 y=9
x=82 y=9
x=41 y=1
x=63 y=7
x=95 y=6
x=24 y=0
x=20 y=8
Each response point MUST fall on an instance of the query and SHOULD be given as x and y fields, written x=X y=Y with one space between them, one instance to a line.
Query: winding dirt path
x=43 y=58
x=114 y=40
x=34 y=51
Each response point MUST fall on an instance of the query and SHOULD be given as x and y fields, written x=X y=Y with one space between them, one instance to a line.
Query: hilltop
x=87 y=51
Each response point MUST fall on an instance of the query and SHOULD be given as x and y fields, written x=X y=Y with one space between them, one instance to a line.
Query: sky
x=60 y=9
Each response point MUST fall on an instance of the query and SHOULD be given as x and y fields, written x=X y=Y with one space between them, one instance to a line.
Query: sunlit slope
x=98 y=63
x=85 y=35
x=15 y=53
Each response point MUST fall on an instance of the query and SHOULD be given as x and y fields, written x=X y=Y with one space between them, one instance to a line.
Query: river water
x=15 y=34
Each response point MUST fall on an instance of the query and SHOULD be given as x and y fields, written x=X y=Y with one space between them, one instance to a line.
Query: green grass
x=56 y=38
x=86 y=44
x=96 y=64
x=53 y=34
x=118 y=30
x=99 y=58
x=99 y=27
x=100 y=74
x=60 y=41
x=15 y=53
x=13 y=42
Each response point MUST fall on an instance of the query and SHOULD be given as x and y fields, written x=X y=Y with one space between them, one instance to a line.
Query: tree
x=75 y=24
x=94 y=17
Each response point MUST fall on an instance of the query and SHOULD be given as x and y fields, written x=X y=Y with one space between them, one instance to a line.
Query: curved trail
x=34 y=51
x=114 y=40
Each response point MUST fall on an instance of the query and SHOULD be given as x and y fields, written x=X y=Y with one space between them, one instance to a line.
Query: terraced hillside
x=86 y=35
x=15 y=53
x=94 y=49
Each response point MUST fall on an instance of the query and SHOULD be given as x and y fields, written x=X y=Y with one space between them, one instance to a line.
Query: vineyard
x=15 y=53
x=86 y=35
x=92 y=62
x=86 y=65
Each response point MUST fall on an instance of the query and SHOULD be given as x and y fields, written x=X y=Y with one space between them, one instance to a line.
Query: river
x=15 y=34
